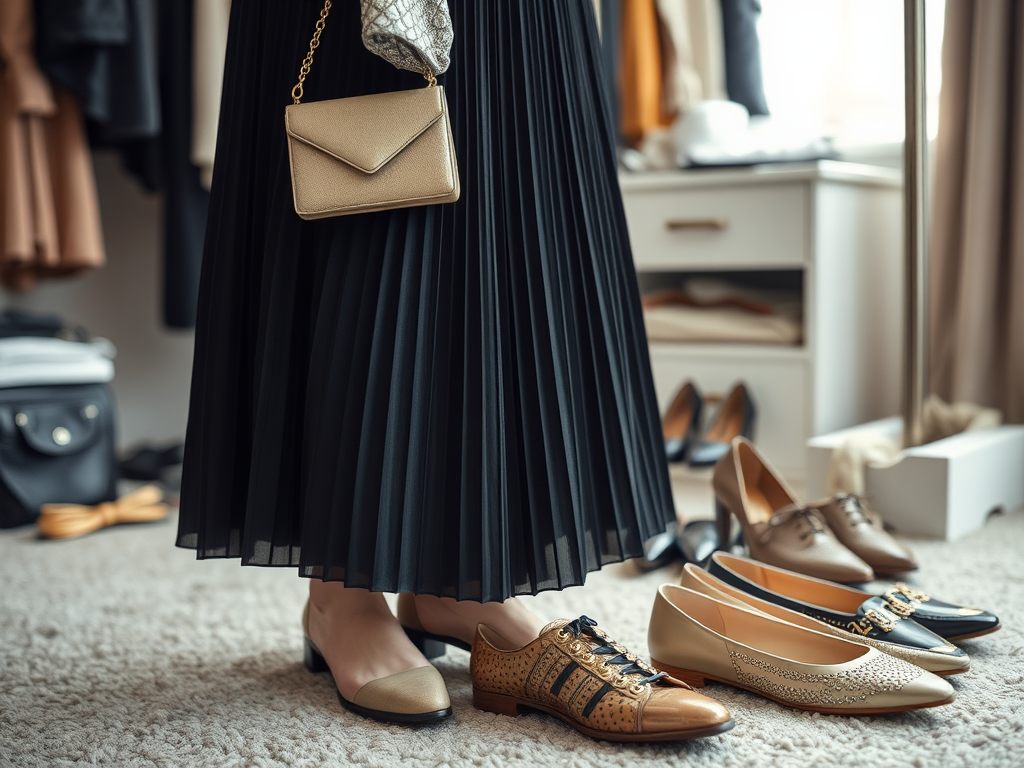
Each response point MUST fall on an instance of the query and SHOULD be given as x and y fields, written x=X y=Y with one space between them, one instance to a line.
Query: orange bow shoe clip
x=69 y=521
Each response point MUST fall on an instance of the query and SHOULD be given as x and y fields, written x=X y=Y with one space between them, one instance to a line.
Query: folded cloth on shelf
x=712 y=310
x=721 y=324
x=36 y=361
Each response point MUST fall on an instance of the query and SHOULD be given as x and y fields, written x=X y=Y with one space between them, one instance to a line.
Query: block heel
x=498 y=703
x=430 y=647
x=723 y=524
x=312 y=659
x=692 y=679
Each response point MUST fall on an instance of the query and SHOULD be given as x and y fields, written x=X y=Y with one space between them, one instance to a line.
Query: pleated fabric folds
x=454 y=400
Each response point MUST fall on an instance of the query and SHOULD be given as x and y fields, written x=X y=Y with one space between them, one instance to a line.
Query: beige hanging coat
x=49 y=213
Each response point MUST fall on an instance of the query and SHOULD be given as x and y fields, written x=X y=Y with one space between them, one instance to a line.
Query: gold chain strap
x=313 y=45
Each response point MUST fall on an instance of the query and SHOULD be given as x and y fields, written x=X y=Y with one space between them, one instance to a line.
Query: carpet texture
x=118 y=649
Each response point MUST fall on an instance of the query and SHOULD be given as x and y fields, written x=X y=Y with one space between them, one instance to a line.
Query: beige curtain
x=977 y=233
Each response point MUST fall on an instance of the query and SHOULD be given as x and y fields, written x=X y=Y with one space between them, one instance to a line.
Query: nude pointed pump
x=696 y=638
x=777 y=527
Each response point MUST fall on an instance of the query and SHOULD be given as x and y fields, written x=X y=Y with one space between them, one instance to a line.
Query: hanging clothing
x=104 y=52
x=694 y=52
x=209 y=46
x=744 y=80
x=185 y=199
x=49 y=214
x=452 y=399
x=641 y=96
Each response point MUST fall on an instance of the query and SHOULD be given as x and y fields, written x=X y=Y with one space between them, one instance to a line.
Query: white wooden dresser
x=831 y=229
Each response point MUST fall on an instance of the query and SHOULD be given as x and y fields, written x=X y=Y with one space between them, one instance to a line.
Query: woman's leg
x=359 y=637
x=516 y=623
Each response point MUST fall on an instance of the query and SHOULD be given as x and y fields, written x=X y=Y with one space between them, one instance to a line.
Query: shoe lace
x=855 y=510
x=809 y=515
x=627 y=663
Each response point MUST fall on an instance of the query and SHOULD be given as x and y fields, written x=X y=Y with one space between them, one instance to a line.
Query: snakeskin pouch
x=411 y=34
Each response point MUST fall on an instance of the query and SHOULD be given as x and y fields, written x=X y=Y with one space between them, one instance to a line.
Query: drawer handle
x=676 y=225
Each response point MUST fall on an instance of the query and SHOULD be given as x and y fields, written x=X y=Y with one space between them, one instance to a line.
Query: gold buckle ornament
x=913 y=594
x=882 y=619
x=901 y=608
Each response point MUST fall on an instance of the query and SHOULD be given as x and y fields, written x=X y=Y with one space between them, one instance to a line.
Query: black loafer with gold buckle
x=870 y=619
x=952 y=622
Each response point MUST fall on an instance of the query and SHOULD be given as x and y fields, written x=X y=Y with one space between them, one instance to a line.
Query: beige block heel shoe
x=413 y=697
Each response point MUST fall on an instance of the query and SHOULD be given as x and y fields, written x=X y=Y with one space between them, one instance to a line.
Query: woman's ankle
x=446 y=616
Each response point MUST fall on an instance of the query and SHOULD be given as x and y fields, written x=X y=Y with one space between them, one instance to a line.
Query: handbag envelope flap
x=366 y=132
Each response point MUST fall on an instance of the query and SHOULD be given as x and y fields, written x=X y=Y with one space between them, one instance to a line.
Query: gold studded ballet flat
x=696 y=638
x=574 y=672
x=414 y=697
x=940 y=662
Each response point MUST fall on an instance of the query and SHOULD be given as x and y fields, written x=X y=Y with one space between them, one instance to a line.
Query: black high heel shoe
x=680 y=422
x=694 y=542
x=735 y=418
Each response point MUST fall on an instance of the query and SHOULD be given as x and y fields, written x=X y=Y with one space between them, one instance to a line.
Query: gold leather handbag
x=369 y=153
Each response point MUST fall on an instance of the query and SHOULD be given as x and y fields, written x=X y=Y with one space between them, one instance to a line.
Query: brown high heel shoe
x=680 y=422
x=735 y=418
x=777 y=527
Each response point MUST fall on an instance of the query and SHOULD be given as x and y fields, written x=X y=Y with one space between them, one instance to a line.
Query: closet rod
x=915 y=148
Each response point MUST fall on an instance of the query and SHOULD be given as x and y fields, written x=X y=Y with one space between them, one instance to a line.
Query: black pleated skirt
x=455 y=399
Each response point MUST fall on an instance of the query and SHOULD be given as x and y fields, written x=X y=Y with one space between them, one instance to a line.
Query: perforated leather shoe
x=930 y=652
x=697 y=638
x=574 y=672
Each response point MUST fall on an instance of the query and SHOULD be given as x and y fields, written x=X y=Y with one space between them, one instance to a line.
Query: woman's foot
x=512 y=620
x=358 y=636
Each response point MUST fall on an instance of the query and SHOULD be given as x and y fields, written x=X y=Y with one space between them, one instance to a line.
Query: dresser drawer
x=756 y=227
x=778 y=382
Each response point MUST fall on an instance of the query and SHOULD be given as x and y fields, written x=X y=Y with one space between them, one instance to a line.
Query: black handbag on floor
x=57 y=446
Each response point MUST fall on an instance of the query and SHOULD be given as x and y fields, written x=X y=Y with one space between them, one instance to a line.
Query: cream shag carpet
x=118 y=649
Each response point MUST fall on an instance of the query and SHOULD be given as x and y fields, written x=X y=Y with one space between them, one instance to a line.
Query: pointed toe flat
x=861 y=616
x=697 y=638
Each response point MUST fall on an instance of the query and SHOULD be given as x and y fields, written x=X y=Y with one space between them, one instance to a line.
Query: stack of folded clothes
x=29 y=361
x=708 y=310
x=44 y=349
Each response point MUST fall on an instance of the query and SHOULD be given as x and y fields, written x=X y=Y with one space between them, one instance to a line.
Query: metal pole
x=915 y=350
